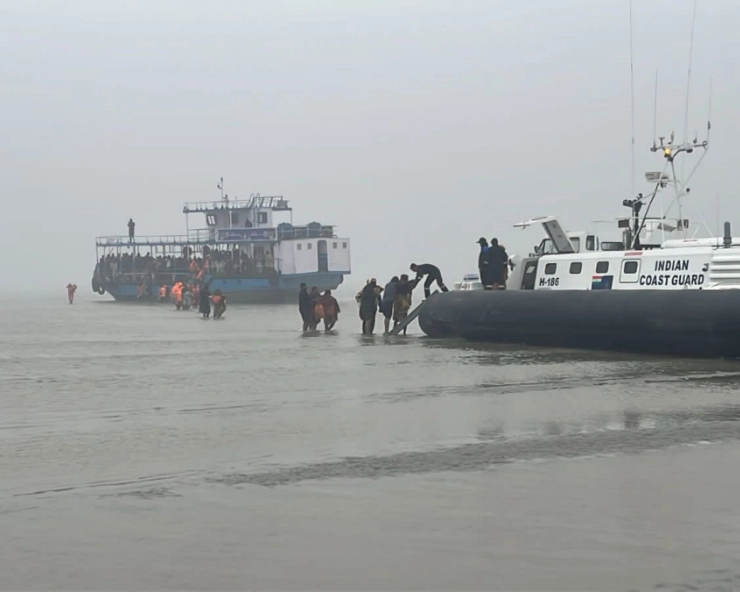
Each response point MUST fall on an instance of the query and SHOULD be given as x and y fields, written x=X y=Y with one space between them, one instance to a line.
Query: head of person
x=327 y=293
x=394 y=279
x=482 y=242
x=304 y=287
x=373 y=282
x=494 y=242
x=414 y=267
x=404 y=277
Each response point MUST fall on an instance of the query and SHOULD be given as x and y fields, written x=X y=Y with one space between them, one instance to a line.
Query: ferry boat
x=243 y=251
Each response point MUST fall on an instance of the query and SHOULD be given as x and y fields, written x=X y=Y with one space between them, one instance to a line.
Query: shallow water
x=143 y=448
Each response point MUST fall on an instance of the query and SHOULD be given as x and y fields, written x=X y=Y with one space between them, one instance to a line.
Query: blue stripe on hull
x=236 y=290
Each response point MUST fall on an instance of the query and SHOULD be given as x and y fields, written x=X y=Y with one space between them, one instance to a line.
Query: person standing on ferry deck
x=483 y=263
x=131 y=226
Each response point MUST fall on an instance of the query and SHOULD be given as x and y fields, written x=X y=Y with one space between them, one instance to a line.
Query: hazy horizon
x=414 y=127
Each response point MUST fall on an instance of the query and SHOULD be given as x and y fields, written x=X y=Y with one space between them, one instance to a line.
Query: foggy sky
x=414 y=126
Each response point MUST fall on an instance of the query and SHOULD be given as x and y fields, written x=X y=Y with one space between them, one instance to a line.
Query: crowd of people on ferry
x=214 y=262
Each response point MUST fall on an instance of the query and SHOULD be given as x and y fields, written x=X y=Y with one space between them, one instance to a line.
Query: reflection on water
x=152 y=421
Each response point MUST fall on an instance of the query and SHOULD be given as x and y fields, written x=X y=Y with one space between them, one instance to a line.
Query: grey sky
x=416 y=127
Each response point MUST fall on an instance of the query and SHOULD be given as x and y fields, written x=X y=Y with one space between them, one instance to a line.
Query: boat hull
x=692 y=323
x=241 y=290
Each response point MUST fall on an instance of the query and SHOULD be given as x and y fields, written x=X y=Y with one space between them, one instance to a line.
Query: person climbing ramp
x=433 y=274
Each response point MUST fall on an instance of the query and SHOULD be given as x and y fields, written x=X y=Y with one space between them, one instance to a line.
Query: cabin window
x=602 y=267
x=630 y=267
x=576 y=267
x=551 y=268
x=334 y=245
x=344 y=245
x=531 y=268
x=576 y=242
x=262 y=217
x=309 y=246
x=299 y=246
x=210 y=220
x=234 y=217
x=590 y=242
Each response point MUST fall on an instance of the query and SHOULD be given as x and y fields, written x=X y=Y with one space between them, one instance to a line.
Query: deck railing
x=270 y=202
x=202 y=236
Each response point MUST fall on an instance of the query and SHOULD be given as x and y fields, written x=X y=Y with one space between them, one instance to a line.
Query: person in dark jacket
x=386 y=303
x=483 y=263
x=369 y=306
x=305 y=307
x=204 y=306
x=433 y=275
x=498 y=259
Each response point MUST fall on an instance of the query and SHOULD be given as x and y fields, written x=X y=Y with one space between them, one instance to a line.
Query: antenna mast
x=688 y=80
x=632 y=103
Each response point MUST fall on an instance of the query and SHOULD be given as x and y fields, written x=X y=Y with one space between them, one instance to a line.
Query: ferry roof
x=276 y=203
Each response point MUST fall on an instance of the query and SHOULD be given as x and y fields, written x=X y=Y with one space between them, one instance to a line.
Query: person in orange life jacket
x=331 y=310
x=219 y=304
x=318 y=309
x=71 y=289
x=433 y=274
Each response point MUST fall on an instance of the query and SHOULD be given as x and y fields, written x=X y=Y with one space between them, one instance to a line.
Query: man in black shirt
x=498 y=260
x=433 y=274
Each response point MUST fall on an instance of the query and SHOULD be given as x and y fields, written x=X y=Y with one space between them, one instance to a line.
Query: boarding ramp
x=411 y=317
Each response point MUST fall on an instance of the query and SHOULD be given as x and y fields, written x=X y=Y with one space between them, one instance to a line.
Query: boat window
x=334 y=245
x=630 y=267
x=602 y=267
x=576 y=242
x=344 y=245
x=299 y=246
x=234 y=217
x=590 y=242
x=262 y=218
x=309 y=246
x=612 y=246
x=575 y=267
x=531 y=268
x=210 y=220
x=551 y=268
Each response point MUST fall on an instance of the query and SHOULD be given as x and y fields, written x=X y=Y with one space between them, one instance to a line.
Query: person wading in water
x=71 y=289
x=369 y=305
x=305 y=307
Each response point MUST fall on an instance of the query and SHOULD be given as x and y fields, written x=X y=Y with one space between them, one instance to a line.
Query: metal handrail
x=273 y=202
x=193 y=236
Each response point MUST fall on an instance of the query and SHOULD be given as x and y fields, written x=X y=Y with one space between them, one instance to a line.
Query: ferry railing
x=193 y=236
x=270 y=202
